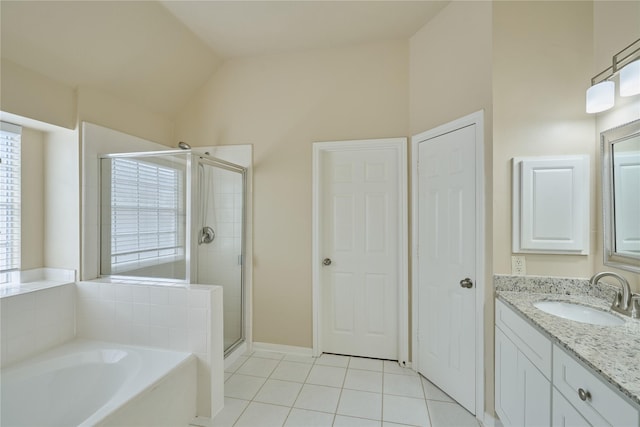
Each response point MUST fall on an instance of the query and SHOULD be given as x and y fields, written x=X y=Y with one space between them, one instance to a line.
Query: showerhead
x=184 y=145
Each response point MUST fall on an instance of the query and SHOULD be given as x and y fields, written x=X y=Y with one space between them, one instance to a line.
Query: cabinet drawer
x=533 y=344
x=604 y=406
x=565 y=415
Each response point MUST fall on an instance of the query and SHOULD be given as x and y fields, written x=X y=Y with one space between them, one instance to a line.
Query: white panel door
x=360 y=236
x=446 y=261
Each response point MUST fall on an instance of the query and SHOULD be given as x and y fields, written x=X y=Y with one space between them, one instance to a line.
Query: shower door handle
x=326 y=261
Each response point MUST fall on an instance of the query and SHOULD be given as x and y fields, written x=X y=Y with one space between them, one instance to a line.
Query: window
x=9 y=199
x=146 y=199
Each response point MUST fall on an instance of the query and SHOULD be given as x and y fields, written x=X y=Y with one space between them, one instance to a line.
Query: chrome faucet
x=623 y=301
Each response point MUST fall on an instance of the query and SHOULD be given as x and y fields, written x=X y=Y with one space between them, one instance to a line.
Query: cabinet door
x=509 y=400
x=536 y=389
x=523 y=393
x=551 y=204
x=565 y=415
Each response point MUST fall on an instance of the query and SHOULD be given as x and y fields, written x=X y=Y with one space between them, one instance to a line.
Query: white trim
x=476 y=119
x=399 y=144
x=281 y=348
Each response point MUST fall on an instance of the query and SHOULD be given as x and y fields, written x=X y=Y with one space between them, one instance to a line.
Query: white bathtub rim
x=134 y=386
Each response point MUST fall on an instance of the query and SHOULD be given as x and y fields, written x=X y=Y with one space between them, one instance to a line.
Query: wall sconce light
x=601 y=94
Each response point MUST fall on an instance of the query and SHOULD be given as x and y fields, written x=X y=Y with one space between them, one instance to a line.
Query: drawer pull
x=584 y=395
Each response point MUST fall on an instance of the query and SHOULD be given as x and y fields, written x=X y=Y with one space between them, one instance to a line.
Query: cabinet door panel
x=537 y=393
x=523 y=393
x=509 y=399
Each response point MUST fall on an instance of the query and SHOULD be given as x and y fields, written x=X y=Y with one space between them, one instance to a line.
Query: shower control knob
x=326 y=261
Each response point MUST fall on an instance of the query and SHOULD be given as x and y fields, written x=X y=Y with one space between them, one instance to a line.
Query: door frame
x=476 y=119
x=400 y=146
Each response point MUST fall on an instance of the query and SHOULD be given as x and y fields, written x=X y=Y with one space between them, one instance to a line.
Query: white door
x=446 y=263
x=361 y=237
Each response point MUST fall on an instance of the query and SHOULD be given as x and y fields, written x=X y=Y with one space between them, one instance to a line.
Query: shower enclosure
x=176 y=216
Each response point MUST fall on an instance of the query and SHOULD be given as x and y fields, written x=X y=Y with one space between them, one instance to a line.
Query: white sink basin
x=579 y=313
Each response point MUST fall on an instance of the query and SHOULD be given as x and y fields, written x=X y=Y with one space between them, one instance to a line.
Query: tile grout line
x=246 y=407
x=258 y=391
x=382 y=400
x=335 y=414
x=300 y=391
x=424 y=392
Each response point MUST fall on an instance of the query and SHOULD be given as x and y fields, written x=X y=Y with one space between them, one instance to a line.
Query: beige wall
x=282 y=104
x=32 y=199
x=542 y=62
x=29 y=94
x=112 y=112
x=451 y=66
x=616 y=25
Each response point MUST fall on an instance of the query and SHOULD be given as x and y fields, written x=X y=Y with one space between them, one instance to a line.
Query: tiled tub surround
x=613 y=352
x=47 y=312
x=172 y=317
x=36 y=319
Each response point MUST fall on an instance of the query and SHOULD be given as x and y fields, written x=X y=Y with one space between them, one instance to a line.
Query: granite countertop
x=613 y=352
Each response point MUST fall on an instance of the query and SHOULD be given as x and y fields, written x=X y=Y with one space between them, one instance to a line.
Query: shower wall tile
x=174 y=318
x=36 y=321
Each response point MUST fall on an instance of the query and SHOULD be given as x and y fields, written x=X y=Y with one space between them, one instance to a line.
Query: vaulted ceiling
x=158 y=54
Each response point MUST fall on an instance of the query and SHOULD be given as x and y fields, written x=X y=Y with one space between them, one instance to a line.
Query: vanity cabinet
x=523 y=371
x=539 y=384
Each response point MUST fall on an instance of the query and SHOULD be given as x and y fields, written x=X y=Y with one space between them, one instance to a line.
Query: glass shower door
x=219 y=238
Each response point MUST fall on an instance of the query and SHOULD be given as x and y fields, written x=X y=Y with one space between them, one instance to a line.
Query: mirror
x=620 y=149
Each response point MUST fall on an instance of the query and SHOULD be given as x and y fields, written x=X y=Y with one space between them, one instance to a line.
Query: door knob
x=466 y=283
x=326 y=261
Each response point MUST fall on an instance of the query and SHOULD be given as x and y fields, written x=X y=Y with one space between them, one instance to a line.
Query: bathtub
x=93 y=383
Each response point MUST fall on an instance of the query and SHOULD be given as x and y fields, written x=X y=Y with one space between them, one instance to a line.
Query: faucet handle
x=617 y=301
x=635 y=306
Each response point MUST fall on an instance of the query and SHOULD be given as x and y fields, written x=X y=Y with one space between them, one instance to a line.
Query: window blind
x=9 y=197
x=146 y=200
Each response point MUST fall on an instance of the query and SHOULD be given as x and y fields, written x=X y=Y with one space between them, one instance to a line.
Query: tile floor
x=273 y=389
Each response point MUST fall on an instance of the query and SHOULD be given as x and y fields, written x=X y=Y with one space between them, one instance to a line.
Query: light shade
x=601 y=97
x=630 y=79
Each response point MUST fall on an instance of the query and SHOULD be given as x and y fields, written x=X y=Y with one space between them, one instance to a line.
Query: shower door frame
x=192 y=160
x=196 y=159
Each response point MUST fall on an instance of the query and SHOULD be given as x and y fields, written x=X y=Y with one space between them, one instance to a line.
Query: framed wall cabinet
x=551 y=205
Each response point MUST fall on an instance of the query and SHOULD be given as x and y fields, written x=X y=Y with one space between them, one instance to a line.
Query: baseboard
x=280 y=348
